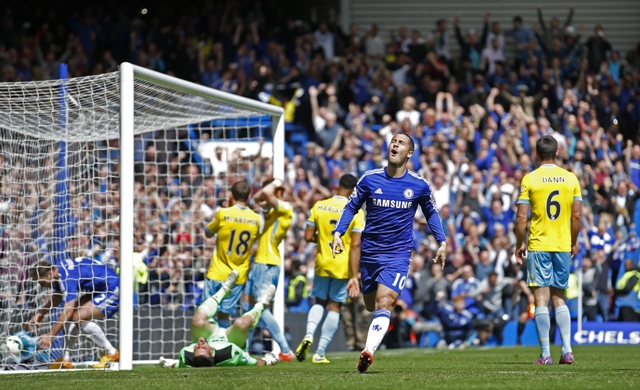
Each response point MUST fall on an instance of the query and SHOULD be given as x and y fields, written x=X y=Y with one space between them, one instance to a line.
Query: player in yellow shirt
x=332 y=275
x=555 y=199
x=277 y=215
x=237 y=227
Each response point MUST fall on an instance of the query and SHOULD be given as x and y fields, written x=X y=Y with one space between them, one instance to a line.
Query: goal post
x=128 y=74
x=74 y=160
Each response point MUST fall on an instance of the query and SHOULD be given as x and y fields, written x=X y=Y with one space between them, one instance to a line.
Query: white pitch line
x=534 y=372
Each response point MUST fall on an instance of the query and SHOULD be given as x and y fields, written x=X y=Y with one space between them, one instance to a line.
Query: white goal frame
x=128 y=74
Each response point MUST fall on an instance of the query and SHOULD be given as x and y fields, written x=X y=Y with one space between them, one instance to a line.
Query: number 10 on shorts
x=399 y=278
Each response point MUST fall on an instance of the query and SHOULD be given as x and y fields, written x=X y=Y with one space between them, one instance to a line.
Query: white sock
x=72 y=337
x=313 y=319
x=96 y=334
x=378 y=329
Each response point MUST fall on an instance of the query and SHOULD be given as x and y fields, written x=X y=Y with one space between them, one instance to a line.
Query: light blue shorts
x=260 y=277
x=228 y=305
x=326 y=288
x=548 y=269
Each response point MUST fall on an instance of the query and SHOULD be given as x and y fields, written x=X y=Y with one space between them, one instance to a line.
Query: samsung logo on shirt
x=394 y=204
x=553 y=179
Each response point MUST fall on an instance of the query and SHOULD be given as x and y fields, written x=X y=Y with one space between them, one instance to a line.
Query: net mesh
x=88 y=108
x=59 y=200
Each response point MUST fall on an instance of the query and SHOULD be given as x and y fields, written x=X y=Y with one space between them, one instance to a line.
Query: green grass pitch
x=595 y=368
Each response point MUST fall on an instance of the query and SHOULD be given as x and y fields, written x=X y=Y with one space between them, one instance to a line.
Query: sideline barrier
x=604 y=333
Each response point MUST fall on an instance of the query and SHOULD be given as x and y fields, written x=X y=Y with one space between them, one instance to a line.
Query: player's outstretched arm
x=356 y=200
x=67 y=314
x=34 y=323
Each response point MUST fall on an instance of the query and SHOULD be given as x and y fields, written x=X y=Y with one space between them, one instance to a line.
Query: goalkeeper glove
x=271 y=359
x=168 y=363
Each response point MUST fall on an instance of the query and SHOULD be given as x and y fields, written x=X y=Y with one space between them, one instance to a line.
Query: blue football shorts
x=548 y=269
x=228 y=305
x=107 y=302
x=260 y=277
x=325 y=288
x=384 y=269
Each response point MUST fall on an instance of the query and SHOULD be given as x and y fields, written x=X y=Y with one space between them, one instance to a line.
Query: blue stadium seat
x=298 y=138
x=288 y=151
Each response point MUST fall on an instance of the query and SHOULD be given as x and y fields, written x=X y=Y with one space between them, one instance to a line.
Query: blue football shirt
x=83 y=275
x=390 y=205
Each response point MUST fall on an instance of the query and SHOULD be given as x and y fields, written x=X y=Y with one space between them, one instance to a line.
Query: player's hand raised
x=353 y=287
x=441 y=254
x=336 y=245
x=520 y=254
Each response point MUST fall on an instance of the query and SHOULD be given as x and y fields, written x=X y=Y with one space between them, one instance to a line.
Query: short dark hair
x=267 y=182
x=348 y=181
x=203 y=361
x=40 y=269
x=241 y=191
x=411 y=144
x=517 y=18
x=546 y=147
x=295 y=265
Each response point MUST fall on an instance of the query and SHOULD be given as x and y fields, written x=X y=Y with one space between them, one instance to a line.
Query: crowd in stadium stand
x=475 y=117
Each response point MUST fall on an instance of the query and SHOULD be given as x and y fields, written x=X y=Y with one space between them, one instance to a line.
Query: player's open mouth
x=394 y=152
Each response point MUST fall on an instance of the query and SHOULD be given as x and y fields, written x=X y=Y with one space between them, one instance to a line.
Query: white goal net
x=89 y=169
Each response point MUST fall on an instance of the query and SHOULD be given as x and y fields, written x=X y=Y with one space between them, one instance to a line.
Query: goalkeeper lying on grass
x=216 y=346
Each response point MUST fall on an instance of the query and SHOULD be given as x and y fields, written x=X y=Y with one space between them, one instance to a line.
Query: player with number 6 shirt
x=555 y=199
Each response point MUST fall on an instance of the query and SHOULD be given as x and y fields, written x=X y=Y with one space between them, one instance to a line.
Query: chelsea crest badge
x=408 y=193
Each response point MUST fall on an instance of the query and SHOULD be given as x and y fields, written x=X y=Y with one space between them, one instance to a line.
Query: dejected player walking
x=555 y=198
x=392 y=196
x=236 y=228
x=332 y=272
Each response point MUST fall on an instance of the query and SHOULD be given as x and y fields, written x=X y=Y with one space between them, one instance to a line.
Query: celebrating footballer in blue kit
x=392 y=196
x=89 y=291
